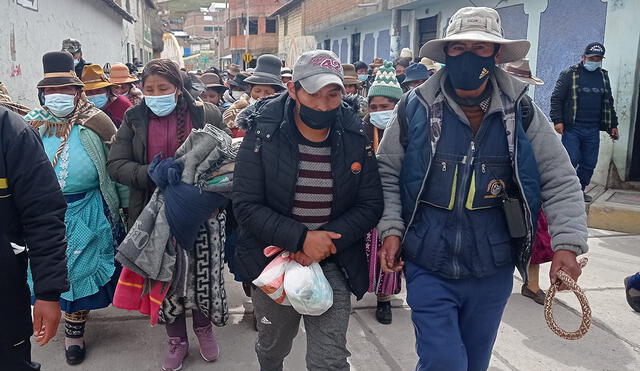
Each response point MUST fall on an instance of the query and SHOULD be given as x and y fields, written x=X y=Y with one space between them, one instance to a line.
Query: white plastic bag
x=271 y=279
x=307 y=288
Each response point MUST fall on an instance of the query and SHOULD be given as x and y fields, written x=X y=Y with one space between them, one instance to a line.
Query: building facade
x=251 y=29
x=558 y=30
x=31 y=29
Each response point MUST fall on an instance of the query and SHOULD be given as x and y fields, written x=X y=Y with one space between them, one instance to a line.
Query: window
x=355 y=47
x=285 y=25
x=128 y=52
x=428 y=29
x=271 y=26
x=208 y=28
x=232 y=27
x=327 y=44
x=253 y=26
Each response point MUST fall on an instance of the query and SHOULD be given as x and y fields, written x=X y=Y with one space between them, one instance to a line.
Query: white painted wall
x=96 y=26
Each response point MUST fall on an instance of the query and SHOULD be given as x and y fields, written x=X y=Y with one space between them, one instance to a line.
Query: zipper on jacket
x=467 y=162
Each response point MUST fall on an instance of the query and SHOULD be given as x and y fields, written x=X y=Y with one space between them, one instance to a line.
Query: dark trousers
x=326 y=334
x=18 y=358
x=582 y=142
x=456 y=321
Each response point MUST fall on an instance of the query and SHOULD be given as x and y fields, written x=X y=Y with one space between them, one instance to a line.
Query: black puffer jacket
x=32 y=212
x=264 y=189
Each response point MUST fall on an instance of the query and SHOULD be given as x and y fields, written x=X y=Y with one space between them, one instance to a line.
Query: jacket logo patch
x=483 y=73
x=356 y=167
x=495 y=188
x=4 y=183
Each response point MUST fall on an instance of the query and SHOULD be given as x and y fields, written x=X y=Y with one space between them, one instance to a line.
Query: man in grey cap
x=306 y=180
x=75 y=49
x=464 y=175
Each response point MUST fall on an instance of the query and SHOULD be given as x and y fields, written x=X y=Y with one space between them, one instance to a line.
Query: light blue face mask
x=363 y=78
x=161 y=105
x=99 y=100
x=381 y=119
x=61 y=105
x=592 y=66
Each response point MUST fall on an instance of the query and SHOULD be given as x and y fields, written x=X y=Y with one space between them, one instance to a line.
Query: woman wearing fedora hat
x=98 y=89
x=75 y=136
x=214 y=90
x=263 y=82
x=124 y=83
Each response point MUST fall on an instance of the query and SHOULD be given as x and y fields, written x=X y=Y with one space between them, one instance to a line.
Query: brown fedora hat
x=119 y=74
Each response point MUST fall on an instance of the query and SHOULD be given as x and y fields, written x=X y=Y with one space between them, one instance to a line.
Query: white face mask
x=61 y=105
x=381 y=119
x=237 y=94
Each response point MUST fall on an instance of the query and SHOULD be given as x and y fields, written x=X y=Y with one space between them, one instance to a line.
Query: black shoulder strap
x=402 y=119
x=527 y=111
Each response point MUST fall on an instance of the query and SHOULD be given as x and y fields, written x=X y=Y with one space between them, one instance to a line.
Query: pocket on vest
x=489 y=183
x=440 y=190
x=501 y=248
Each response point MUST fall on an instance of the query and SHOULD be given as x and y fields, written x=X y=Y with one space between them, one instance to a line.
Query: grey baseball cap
x=316 y=69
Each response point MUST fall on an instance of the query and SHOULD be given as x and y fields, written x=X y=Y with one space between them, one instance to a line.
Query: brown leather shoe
x=538 y=297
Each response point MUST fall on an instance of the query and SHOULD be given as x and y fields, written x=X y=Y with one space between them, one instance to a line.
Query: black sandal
x=383 y=312
x=75 y=354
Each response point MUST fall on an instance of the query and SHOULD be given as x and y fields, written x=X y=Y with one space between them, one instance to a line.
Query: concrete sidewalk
x=118 y=340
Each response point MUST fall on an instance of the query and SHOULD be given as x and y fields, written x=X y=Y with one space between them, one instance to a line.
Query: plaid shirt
x=608 y=118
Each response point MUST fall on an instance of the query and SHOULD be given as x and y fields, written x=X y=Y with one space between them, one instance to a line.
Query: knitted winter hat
x=386 y=84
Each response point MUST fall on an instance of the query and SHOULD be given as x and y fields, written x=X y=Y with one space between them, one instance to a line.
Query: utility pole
x=246 y=34
x=396 y=22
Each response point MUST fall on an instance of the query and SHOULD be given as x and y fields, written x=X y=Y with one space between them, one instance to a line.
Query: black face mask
x=317 y=119
x=468 y=71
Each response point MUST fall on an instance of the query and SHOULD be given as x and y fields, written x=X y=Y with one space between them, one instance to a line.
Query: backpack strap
x=527 y=111
x=402 y=119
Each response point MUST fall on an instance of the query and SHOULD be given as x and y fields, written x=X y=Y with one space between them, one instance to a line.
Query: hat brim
x=96 y=85
x=123 y=80
x=216 y=86
x=313 y=84
x=263 y=80
x=290 y=75
x=58 y=82
x=510 y=50
x=594 y=55
x=351 y=81
x=408 y=80
x=530 y=80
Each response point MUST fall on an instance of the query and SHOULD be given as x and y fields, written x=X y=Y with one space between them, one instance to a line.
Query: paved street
x=118 y=340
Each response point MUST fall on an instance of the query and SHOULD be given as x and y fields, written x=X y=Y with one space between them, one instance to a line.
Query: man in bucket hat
x=306 y=181
x=581 y=107
x=464 y=177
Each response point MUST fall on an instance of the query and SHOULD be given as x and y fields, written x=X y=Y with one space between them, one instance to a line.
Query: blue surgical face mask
x=363 y=77
x=99 y=100
x=161 y=105
x=592 y=66
x=61 y=105
x=381 y=119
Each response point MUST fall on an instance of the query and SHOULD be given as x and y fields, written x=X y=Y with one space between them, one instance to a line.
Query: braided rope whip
x=582 y=298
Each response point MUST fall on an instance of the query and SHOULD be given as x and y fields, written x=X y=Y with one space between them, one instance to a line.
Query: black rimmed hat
x=59 y=71
x=211 y=80
x=238 y=81
x=267 y=72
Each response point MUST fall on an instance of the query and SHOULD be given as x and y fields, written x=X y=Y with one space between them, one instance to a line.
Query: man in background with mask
x=306 y=180
x=581 y=107
x=464 y=178
x=75 y=49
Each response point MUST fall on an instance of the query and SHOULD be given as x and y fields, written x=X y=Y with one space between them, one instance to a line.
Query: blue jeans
x=582 y=142
x=456 y=321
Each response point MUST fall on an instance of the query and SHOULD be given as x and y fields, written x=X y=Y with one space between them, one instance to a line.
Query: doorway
x=355 y=47
x=634 y=167
x=427 y=29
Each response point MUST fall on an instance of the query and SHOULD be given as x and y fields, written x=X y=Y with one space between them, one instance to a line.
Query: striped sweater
x=314 y=188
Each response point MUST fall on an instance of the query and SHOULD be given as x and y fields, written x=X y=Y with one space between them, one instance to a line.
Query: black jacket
x=264 y=188
x=32 y=212
x=564 y=97
x=127 y=162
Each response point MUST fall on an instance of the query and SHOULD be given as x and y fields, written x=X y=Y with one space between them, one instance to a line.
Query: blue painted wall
x=368 y=47
x=405 y=37
x=344 y=51
x=562 y=39
x=335 y=47
x=514 y=21
x=384 y=45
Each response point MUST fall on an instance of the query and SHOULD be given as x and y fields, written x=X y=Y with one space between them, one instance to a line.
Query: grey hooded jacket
x=561 y=192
